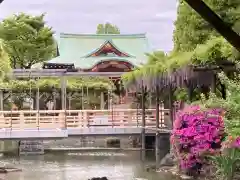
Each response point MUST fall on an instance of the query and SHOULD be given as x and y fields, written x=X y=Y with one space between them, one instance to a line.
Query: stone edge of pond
x=173 y=170
x=4 y=170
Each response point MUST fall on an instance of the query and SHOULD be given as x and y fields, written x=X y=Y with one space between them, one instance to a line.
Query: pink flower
x=195 y=133
x=236 y=143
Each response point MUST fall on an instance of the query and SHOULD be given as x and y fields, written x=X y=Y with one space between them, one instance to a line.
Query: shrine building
x=100 y=52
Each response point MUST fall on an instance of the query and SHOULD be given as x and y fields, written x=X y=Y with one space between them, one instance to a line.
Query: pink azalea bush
x=196 y=132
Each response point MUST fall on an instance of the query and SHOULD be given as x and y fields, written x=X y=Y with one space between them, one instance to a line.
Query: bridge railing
x=80 y=118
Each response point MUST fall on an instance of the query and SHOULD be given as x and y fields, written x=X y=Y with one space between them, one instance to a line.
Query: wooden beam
x=206 y=13
x=214 y=68
x=25 y=73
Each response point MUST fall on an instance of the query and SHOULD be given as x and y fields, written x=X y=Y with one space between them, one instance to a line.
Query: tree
x=191 y=29
x=4 y=62
x=156 y=57
x=28 y=41
x=107 y=29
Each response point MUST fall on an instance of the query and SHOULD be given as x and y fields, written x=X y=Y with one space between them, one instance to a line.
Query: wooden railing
x=80 y=118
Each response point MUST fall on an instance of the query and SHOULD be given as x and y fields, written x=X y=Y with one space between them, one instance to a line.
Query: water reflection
x=81 y=166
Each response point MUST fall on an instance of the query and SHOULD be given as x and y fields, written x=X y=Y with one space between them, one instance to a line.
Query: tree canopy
x=161 y=67
x=48 y=84
x=28 y=40
x=107 y=28
x=195 y=43
x=4 y=62
x=191 y=29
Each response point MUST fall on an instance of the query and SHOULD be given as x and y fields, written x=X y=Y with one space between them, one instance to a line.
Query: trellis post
x=143 y=133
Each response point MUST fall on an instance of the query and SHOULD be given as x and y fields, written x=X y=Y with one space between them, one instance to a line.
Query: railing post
x=129 y=116
x=85 y=118
x=62 y=119
x=37 y=119
x=22 y=120
x=80 y=119
x=161 y=112
x=2 y=119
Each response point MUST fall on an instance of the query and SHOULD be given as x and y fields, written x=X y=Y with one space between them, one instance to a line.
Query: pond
x=83 y=165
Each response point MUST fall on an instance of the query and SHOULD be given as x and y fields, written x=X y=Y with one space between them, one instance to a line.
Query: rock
x=168 y=160
x=169 y=169
x=4 y=170
x=99 y=178
x=185 y=177
x=150 y=168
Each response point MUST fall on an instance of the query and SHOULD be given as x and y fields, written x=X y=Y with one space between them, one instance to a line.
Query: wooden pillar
x=37 y=106
x=1 y=99
x=108 y=100
x=102 y=100
x=82 y=102
x=63 y=82
x=143 y=99
x=150 y=100
x=37 y=95
x=63 y=92
x=223 y=91
x=190 y=93
x=214 y=83
x=157 y=138
x=171 y=113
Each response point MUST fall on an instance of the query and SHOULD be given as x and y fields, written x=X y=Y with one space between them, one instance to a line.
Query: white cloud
x=154 y=17
x=167 y=15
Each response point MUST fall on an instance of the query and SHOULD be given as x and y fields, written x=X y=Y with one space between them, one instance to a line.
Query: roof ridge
x=69 y=35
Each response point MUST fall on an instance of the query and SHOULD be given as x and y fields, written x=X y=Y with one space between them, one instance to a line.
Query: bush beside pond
x=201 y=142
x=195 y=134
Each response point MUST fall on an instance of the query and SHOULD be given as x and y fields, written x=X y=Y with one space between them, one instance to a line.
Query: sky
x=153 y=17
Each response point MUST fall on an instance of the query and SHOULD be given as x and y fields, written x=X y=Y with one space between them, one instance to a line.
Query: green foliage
x=48 y=84
x=107 y=28
x=191 y=29
x=156 y=57
x=195 y=42
x=181 y=94
x=4 y=62
x=230 y=104
x=159 y=64
x=157 y=61
x=28 y=41
x=226 y=163
x=215 y=49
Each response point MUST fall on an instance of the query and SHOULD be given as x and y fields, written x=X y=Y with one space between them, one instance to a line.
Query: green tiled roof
x=74 y=48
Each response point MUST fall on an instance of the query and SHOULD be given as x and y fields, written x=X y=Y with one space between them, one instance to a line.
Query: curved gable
x=108 y=48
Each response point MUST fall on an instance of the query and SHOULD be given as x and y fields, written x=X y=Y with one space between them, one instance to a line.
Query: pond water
x=81 y=166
